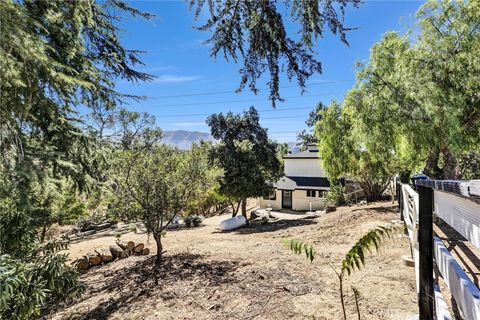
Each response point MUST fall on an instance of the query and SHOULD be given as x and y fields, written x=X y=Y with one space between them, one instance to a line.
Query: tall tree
x=414 y=104
x=54 y=57
x=423 y=87
x=255 y=32
x=308 y=135
x=246 y=155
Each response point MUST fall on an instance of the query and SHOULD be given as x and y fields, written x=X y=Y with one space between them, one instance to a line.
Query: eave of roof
x=307 y=154
x=302 y=183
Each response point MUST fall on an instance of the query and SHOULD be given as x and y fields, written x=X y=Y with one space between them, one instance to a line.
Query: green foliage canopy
x=255 y=31
x=246 y=155
x=155 y=185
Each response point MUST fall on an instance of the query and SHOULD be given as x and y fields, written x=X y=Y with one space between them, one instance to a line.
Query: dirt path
x=249 y=274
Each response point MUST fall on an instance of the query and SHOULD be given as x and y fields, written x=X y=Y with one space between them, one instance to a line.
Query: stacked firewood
x=120 y=250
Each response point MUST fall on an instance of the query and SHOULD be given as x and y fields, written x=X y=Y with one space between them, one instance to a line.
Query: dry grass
x=248 y=274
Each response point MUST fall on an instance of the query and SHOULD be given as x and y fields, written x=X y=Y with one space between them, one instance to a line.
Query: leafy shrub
x=193 y=221
x=337 y=195
x=41 y=278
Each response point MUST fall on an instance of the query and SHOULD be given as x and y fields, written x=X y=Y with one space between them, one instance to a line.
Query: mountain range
x=183 y=139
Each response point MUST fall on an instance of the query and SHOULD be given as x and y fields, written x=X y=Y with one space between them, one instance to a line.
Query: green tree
x=343 y=154
x=154 y=185
x=413 y=106
x=255 y=32
x=55 y=56
x=246 y=155
x=308 y=135
x=419 y=89
x=208 y=195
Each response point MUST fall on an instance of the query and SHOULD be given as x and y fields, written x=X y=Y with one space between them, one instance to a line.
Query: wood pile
x=119 y=250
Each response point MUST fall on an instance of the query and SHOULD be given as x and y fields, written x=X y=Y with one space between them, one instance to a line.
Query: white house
x=304 y=186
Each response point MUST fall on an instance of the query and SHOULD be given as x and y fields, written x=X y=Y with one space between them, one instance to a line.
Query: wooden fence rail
x=458 y=204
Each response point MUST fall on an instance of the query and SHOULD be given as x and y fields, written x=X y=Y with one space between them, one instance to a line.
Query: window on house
x=322 y=194
x=272 y=195
x=311 y=193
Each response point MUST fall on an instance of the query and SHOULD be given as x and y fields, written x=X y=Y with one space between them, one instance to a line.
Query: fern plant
x=298 y=246
x=355 y=257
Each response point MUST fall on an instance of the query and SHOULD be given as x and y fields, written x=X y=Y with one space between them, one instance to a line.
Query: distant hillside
x=184 y=139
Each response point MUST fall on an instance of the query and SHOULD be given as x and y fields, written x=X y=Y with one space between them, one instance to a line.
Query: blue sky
x=183 y=66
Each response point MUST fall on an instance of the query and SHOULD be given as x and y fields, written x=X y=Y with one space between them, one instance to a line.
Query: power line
x=243 y=100
x=230 y=91
x=285 y=117
x=207 y=114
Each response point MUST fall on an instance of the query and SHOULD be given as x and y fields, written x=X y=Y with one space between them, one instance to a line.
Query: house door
x=286 y=199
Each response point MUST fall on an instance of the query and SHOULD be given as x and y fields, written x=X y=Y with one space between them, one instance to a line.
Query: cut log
x=89 y=232
x=105 y=255
x=126 y=245
x=146 y=251
x=117 y=252
x=104 y=225
x=94 y=259
x=82 y=264
x=138 y=248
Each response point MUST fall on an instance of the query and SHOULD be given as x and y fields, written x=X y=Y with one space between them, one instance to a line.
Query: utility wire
x=231 y=91
x=207 y=114
x=243 y=100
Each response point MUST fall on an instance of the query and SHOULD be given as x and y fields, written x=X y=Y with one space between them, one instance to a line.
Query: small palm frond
x=355 y=257
x=298 y=246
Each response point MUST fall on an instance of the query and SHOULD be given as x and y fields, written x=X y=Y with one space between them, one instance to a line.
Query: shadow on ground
x=134 y=284
x=380 y=209
x=257 y=226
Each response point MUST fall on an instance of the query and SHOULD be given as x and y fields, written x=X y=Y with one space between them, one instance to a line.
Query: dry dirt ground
x=249 y=274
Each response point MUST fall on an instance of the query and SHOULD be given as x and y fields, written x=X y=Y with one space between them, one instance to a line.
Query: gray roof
x=292 y=183
x=307 y=154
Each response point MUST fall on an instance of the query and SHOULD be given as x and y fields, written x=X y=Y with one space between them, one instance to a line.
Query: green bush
x=42 y=278
x=193 y=221
x=337 y=195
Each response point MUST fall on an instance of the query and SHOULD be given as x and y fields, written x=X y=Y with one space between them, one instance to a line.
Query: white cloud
x=173 y=78
x=159 y=68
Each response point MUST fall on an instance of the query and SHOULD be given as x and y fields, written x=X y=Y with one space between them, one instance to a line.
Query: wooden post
x=425 y=244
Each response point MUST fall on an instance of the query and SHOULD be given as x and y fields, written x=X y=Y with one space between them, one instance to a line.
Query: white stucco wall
x=302 y=203
x=303 y=168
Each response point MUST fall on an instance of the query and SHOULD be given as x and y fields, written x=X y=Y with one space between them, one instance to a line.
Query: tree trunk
x=158 y=259
x=44 y=232
x=244 y=209
x=432 y=169
x=158 y=240
x=342 y=299
x=405 y=176
x=235 y=207
x=450 y=170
